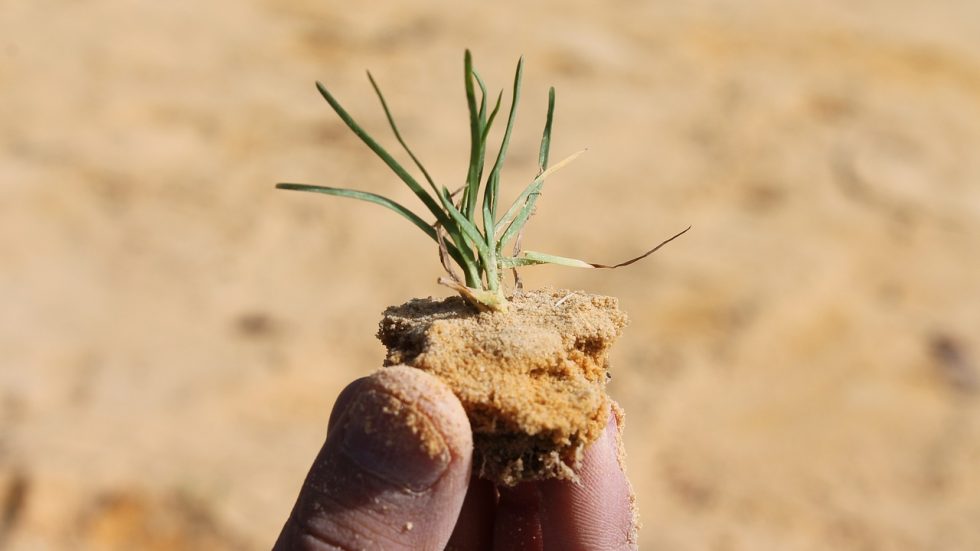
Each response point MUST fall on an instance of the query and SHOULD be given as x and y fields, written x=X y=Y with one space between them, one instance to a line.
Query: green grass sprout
x=468 y=231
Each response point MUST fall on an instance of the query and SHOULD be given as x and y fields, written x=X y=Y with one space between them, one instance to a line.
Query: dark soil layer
x=532 y=380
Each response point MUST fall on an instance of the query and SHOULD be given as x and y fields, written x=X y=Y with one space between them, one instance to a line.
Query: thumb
x=393 y=471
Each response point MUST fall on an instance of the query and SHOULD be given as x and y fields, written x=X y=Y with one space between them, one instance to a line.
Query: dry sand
x=801 y=370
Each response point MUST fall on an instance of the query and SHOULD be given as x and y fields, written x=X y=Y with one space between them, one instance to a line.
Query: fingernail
x=393 y=440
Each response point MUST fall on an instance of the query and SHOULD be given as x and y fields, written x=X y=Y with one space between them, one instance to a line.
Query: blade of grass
x=491 y=256
x=546 y=136
x=523 y=206
x=543 y=172
x=543 y=153
x=484 y=131
x=483 y=99
x=493 y=115
x=398 y=135
x=430 y=203
x=460 y=252
x=488 y=217
x=471 y=235
x=471 y=267
x=378 y=200
x=646 y=254
x=468 y=229
x=475 y=164
x=493 y=181
x=539 y=179
x=529 y=258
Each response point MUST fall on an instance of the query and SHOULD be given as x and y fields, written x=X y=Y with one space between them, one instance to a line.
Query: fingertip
x=598 y=513
x=433 y=398
x=399 y=448
x=343 y=401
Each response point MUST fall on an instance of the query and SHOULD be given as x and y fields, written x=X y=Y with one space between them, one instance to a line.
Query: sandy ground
x=801 y=371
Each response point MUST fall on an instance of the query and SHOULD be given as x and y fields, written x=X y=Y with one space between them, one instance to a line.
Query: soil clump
x=532 y=380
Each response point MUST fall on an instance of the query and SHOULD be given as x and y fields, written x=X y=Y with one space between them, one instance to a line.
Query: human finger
x=393 y=471
x=596 y=514
x=474 y=527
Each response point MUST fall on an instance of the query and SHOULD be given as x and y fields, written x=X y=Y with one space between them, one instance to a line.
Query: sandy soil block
x=532 y=380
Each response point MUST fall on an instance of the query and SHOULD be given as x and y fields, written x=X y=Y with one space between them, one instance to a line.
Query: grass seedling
x=470 y=232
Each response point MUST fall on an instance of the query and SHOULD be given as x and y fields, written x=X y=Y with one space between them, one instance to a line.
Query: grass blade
x=493 y=115
x=475 y=164
x=493 y=181
x=378 y=200
x=430 y=203
x=365 y=196
x=522 y=207
x=488 y=217
x=468 y=229
x=543 y=153
x=646 y=254
x=398 y=135
x=546 y=136
x=483 y=99
x=529 y=258
x=471 y=235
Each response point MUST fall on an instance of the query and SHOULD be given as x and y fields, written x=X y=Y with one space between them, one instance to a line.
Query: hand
x=395 y=473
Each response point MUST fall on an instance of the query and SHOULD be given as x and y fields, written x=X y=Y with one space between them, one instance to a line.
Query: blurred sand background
x=801 y=371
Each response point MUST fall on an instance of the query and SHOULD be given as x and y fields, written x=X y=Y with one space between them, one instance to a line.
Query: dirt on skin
x=532 y=379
